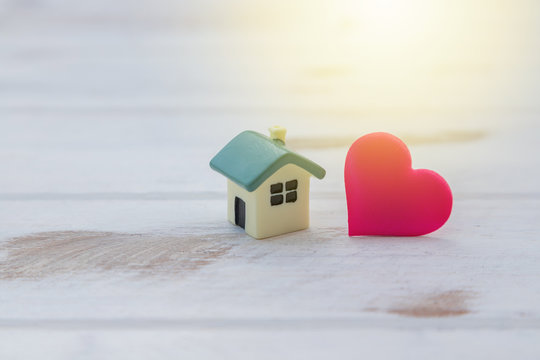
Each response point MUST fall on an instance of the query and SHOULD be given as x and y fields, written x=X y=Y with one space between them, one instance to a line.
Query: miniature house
x=268 y=184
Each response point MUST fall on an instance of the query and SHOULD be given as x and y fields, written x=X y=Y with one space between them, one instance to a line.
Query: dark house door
x=240 y=212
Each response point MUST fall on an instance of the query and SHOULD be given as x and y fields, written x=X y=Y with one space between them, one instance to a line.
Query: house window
x=277 y=195
x=291 y=185
x=276 y=188
x=291 y=196
x=276 y=200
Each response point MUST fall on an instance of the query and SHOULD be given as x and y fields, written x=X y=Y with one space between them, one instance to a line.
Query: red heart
x=385 y=196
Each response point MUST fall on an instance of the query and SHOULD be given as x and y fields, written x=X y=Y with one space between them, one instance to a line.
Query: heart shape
x=386 y=196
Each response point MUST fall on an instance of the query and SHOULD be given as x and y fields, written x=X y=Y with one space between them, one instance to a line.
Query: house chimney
x=278 y=133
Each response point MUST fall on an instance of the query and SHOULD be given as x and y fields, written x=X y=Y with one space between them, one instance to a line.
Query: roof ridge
x=251 y=157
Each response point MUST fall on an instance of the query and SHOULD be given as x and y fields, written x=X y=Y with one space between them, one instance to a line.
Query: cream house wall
x=264 y=220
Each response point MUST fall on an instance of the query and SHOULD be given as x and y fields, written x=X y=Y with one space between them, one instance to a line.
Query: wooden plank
x=267 y=344
x=188 y=251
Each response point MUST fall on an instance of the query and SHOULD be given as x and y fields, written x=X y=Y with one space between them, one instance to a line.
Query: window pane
x=291 y=185
x=276 y=199
x=276 y=188
x=291 y=196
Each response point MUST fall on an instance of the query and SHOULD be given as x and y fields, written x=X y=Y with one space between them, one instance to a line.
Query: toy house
x=268 y=184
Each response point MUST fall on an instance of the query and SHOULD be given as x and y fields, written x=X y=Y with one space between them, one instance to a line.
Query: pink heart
x=385 y=196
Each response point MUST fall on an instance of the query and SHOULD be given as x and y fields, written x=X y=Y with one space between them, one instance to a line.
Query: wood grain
x=70 y=252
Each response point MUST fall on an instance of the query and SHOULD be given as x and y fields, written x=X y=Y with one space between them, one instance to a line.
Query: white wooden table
x=113 y=236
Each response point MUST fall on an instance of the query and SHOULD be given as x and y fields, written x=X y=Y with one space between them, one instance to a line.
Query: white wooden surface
x=113 y=235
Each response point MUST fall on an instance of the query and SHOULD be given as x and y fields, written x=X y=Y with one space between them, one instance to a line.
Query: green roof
x=251 y=158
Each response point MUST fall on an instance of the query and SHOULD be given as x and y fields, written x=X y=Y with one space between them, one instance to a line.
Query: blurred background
x=344 y=57
x=137 y=96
